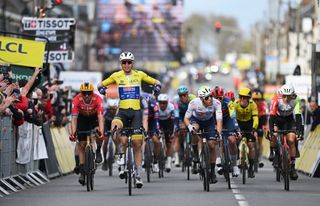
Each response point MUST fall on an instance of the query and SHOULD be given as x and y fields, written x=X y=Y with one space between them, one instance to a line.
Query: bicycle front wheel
x=226 y=165
x=286 y=169
x=148 y=159
x=205 y=168
x=88 y=168
x=110 y=158
x=130 y=169
x=243 y=165
x=161 y=161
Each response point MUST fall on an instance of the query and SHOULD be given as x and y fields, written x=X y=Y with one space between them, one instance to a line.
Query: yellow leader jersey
x=245 y=114
x=129 y=87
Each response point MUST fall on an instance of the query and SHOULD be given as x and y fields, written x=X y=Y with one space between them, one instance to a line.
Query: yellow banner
x=21 y=52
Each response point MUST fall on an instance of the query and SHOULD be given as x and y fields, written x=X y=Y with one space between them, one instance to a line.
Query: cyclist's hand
x=157 y=89
x=300 y=136
x=72 y=138
x=191 y=128
x=255 y=133
x=102 y=90
x=238 y=135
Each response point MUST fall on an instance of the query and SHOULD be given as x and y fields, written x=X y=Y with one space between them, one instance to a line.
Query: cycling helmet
x=287 y=90
x=182 y=89
x=245 y=92
x=256 y=95
x=112 y=103
x=86 y=87
x=229 y=94
x=126 y=56
x=204 y=91
x=217 y=91
x=163 y=98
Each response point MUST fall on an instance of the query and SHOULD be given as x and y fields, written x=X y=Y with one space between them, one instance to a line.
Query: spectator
x=297 y=70
x=315 y=110
x=306 y=114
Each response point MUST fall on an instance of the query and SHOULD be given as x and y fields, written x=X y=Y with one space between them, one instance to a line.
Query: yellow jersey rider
x=129 y=89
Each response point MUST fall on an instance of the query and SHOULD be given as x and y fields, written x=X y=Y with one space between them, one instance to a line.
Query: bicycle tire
x=205 y=167
x=286 y=166
x=243 y=164
x=161 y=161
x=129 y=168
x=148 y=159
x=188 y=161
x=87 y=166
x=110 y=159
x=278 y=168
x=227 y=165
x=256 y=159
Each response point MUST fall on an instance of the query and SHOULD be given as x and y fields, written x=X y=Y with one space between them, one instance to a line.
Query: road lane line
x=238 y=196
x=243 y=203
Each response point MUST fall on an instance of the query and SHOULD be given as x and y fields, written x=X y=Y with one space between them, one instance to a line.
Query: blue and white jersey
x=168 y=113
x=202 y=113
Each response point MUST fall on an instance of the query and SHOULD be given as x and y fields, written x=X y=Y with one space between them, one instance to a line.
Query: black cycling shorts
x=167 y=128
x=86 y=124
x=130 y=118
x=247 y=127
x=285 y=123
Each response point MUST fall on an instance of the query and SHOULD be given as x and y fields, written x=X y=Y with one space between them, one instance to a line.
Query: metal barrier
x=16 y=177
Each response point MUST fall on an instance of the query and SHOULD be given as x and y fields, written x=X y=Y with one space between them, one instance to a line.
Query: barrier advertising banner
x=21 y=51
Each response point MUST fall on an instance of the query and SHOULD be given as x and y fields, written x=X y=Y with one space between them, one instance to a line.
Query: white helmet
x=112 y=103
x=163 y=98
x=287 y=89
x=126 y=56
x=204 y=91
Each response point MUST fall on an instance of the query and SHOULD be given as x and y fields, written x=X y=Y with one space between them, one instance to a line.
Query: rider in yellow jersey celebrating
x=247 y=117
x=129 y=89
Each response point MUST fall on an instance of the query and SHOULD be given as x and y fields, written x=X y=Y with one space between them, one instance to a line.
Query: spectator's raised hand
x=3 y=84
x=9 y=89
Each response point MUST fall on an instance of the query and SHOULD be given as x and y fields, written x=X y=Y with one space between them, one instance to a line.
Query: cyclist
x=181 y=103
x=229 y=123
x=167 y=118
x=200 y=115
x=230 y=94
x=129 y=86
x=247 y=117
x=285 y=114
x=151 y=125
x=262 y=115
x=112 y=106
x=87 y=113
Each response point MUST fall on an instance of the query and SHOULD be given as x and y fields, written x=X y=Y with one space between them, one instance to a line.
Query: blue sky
x=247 y=12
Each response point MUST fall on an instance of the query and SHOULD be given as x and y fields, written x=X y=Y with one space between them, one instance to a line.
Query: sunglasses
x=286 y=96
x=183 y=95
x=86 y=93
x=126 y=62
x=163 y=102
x=243 y=97
x=208 y=97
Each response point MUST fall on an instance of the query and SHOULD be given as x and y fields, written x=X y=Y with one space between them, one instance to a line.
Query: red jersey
x=261 y=108
x=95 y=107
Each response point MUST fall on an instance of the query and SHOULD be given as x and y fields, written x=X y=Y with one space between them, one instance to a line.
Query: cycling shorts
x=167 y=127
x=86 y=124
x=246 y=126
x=152 y=127
x=285 y=123
x=228 y=124
x=208 y=126
x=130 y=118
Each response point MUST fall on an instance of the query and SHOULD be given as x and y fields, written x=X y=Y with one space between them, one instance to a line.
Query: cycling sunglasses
x=86 y=93
x=183 y=95
x=208 y=97
x=125 y=62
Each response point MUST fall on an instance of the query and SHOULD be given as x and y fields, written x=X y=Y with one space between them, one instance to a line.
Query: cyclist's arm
x=156 y=116
x=218 y=112
x=273 y=112
x=255 y=115
x=108 y=81
x=188 y=114
x=74 y=115
x=100 y=112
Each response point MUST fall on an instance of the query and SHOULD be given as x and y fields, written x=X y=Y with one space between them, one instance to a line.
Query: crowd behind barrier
x=34 y=142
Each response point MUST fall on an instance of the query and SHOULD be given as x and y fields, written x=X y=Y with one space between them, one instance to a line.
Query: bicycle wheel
x=256 y=159
x=110 y=158
x=130 y=168
x=286 y=169
x=278 y=166
x=226 y=164
x=87 y=167
x=243 y=164
x=148 y=159
x=161 y=161
x=188 y=159
x=205 y=167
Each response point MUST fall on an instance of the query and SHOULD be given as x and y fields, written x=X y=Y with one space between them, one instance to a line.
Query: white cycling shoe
x=155 y=168
x=236 y=171
x=139 y=182
x=218 y=161
x=168 y=164
x=120 y=160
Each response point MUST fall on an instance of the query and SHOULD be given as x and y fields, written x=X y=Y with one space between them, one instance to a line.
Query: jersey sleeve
x=75 y=103
x=255 y=118
x=100 y=110
x=274 y=106
x=146 y=78
x=109 y=80
x=189 y=110
x=297 y=106
x=218 y=109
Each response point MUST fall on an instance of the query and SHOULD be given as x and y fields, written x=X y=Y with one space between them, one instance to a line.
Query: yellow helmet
x=86 y=87
x=245 y=92
x=256 y=95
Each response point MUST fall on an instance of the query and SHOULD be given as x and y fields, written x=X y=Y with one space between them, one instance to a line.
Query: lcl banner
x=21 y=51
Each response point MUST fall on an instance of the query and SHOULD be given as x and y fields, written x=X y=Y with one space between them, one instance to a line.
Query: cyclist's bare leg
x=105 y=147
x=233 y=149
x=82 y=145
x=252 y=153
x=195 y=141
x=291 y=139
x=212 y=151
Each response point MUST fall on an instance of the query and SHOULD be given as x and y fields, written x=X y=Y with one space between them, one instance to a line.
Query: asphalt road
x=174 y=189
